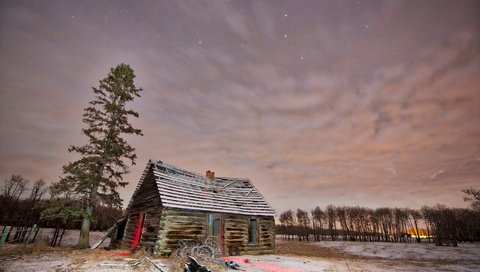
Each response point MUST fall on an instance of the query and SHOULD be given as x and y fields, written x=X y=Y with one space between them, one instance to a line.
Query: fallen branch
x=104 y=236
x=150 y=261
x=155 y=265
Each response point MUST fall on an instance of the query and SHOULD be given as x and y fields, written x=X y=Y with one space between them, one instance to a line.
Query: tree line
x=21 y=205
x=438 y=223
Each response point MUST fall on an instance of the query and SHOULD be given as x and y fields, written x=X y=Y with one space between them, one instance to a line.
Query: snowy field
x=360 y=256
x=408 y=251
x=292 y=256
x=70 y=238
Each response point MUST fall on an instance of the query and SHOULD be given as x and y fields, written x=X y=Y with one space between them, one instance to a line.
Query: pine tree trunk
x=84 y=239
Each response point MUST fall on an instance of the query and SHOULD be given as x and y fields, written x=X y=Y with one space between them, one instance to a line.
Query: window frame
x=250 y=220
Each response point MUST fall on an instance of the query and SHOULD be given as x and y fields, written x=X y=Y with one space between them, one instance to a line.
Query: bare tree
x=15 y=186
x=472 y=196
x=303 y=223
x=39 y=189
x=428 y=219
x=283 y=224
x=372 y=215
x=288 y=220
x=332 y=224
x=400 y=217
x=446 y=225
x=384 y=216
x=317 y=222
x=360 y=221
x=414 y=217
x=342 y=218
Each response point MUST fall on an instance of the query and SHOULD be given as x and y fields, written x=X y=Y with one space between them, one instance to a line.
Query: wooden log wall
x=176 y=225
x=147 y=201
x=165 y=227
x=236 y=235
x=188 y=225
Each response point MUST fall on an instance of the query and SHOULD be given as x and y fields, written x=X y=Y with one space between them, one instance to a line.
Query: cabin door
x=139 y=230
x=215 y=229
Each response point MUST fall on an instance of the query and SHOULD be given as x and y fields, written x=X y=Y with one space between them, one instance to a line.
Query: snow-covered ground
x=408 y=251
x=70 y=237
x=293 y=256
x=271 y=263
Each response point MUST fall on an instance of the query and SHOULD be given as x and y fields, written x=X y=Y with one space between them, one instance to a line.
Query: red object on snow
x=269 y=267
x=237 y=259
x=262 y=266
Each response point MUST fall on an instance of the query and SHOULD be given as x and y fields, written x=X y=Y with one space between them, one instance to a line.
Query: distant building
x=171 y=204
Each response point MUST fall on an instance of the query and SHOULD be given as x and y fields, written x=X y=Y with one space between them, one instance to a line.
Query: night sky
x=370 y=103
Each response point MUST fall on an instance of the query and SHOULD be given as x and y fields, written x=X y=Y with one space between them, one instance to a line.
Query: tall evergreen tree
x=96 y=176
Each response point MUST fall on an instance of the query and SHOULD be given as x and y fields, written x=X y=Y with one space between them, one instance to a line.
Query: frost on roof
x=179 y=188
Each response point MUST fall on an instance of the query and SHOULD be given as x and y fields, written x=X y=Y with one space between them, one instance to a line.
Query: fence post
x=32 y=230
x=5 y=233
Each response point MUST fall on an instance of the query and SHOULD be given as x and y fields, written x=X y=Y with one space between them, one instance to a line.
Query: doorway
x=138 y=231
x=215 y=229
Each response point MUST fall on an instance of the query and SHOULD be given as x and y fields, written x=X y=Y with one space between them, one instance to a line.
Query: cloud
x=367 y=117
x=434 y=175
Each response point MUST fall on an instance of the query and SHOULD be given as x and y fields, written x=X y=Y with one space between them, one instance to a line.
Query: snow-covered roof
x=179 y=188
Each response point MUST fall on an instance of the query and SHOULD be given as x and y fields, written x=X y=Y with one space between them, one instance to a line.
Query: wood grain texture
x=147 y=201
x=177 y=204
x=236 y=235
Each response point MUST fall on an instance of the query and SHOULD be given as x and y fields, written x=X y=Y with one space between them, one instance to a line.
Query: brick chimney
x=210 y=174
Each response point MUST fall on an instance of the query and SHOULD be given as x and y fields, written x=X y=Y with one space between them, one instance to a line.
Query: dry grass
x=36 y=248
x=140 y=253
x=40 y=246
x=306 y=249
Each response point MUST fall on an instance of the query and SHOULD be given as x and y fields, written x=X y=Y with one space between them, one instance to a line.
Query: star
x=285 y=35
x=366 y=26
x=199 y=42
x=285 y=15
x=301 y=57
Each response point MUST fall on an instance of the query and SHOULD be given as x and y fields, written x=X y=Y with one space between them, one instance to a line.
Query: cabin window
x=252 y=231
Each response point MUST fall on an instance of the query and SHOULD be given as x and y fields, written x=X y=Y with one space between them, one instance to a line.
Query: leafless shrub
x=204 y=250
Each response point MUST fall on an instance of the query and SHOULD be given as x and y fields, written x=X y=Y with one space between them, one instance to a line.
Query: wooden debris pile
x=204 y=250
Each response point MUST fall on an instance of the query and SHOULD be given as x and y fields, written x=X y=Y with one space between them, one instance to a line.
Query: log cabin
x=171 y=204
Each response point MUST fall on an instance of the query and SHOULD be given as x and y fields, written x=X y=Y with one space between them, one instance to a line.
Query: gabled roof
x=179 y=188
